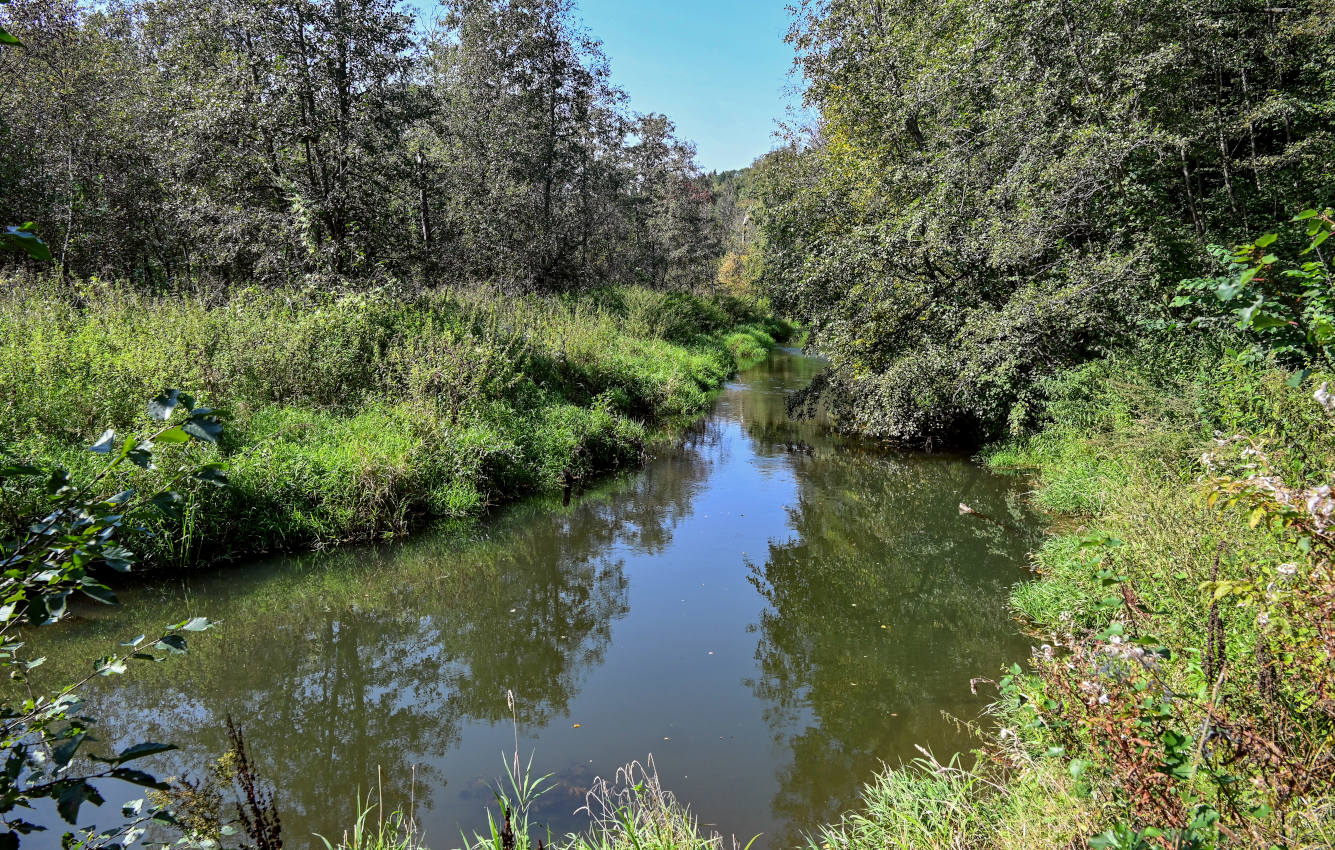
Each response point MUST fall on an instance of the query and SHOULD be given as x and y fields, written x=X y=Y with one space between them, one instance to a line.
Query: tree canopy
x=995 y=191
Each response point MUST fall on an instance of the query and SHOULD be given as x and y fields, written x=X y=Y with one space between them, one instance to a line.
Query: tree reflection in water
x=347 y=665
x=883 y=602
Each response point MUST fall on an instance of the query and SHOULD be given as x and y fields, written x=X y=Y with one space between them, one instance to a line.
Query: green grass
x=356 y=416
x=1118 y=457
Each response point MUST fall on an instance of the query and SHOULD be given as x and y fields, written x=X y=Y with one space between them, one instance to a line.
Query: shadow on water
x=771 y=610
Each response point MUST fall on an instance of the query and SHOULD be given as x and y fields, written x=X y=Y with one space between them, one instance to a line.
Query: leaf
x=168 y=503
x=204 y=427
x=174 y=435
x=1296 y=380
x=104 y=443
x=212 y=473
x=162 y=407
x=100 y=593
x=73 y=796
x=139 y=777
x=1306 y=214
x=1267 y=240
x=148 y=748
x=1261 y=321
x=24 y=238
x=197 y=624
x=62 y=754
x=171 y=643
x=112 y=665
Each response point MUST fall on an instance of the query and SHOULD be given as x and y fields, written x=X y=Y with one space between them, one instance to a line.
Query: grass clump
x=359 y=415
x=631 y=811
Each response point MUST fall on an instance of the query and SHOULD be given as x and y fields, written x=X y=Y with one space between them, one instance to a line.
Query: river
x=770 y=610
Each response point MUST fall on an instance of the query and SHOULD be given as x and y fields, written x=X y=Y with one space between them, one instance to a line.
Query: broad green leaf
x=175 y=435
x=203 y=427
x=164 y=405
x=171 y=643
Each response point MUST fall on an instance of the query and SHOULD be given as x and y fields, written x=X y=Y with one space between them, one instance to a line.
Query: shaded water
x=771 y=611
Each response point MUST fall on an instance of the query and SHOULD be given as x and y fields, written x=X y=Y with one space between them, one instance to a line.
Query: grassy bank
x=357 y=416
x=1181 y=692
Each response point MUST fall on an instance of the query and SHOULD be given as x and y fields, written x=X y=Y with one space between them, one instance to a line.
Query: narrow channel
x=770 y=610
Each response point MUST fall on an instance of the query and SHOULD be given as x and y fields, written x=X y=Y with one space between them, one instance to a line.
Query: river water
x=769 y=610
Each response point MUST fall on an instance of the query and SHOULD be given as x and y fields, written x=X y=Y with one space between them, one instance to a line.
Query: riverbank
x=357 y=416
x=1180 y=692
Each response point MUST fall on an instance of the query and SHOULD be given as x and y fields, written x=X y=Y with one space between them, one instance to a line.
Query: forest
x=322 y=272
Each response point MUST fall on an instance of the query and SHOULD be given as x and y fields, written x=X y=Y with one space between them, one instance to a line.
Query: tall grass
x=631 y=811
x=359 y=415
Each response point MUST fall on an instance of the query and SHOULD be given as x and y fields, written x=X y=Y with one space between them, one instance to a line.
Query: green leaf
x=212 y=473
x=100 y=593
x=112 y=665
x=73 y=796
x=23 y=238
x=62 y=754
x=171 y=643
x=175 y=435
x=1267 y=240
x=1306 y=214
x=1261 y=321
x=197 y=624
x=168 y=503
x=204 y=427
x=148 y=748
x=164 y=405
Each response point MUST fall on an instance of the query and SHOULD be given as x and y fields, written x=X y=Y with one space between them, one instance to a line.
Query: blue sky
x=717 y=68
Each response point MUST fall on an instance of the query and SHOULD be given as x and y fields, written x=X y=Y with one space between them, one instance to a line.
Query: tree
x=994 y=192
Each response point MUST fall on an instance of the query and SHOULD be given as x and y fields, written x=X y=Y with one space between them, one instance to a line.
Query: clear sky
x=717 y=68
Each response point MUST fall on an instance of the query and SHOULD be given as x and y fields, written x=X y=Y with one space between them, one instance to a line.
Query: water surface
x=770 y=610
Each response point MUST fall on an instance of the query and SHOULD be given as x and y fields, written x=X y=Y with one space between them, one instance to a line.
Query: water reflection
x=723 y=609
x=364 y=662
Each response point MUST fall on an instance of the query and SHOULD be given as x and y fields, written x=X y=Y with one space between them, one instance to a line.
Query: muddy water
x=768 y=610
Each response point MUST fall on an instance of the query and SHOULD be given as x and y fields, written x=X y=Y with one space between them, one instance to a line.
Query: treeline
x=994 y=192
x=265 y=140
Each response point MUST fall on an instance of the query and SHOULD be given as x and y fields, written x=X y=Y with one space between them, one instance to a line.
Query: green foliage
x=1185 y=622
x=62 y=552
x=994 y=193
x=1286 y=305
x=332 y=139
x=357 y=416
